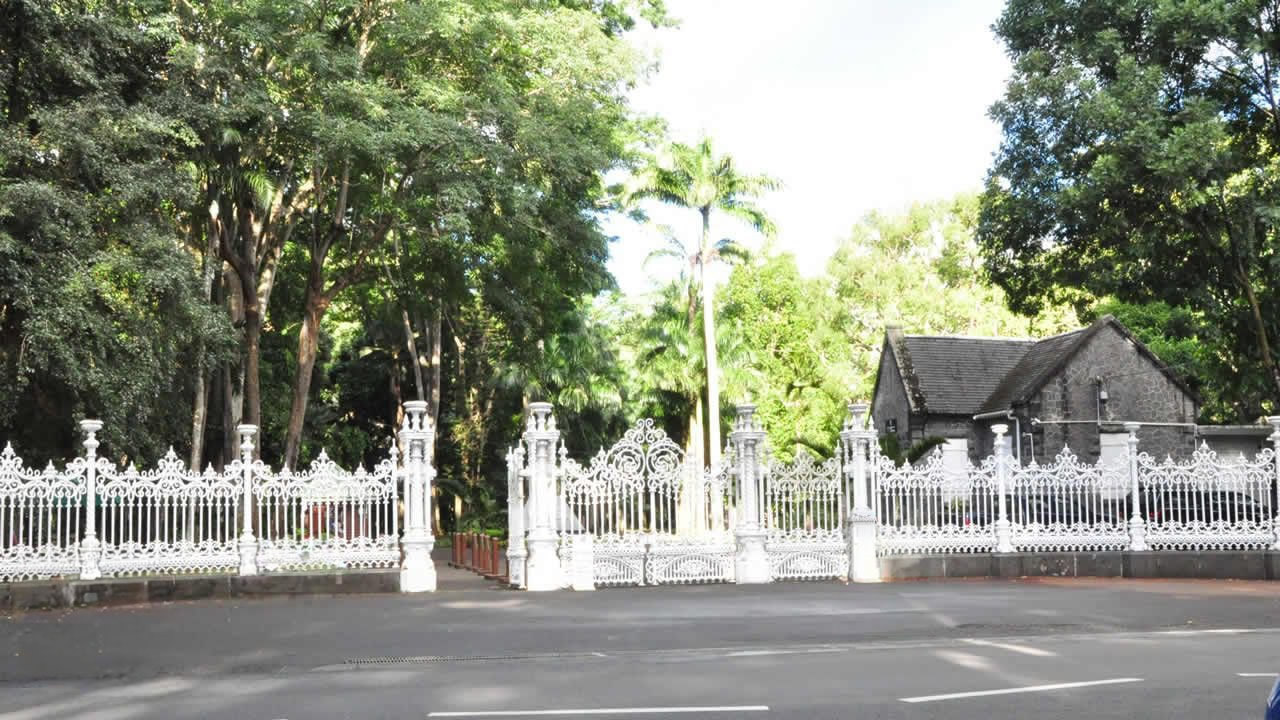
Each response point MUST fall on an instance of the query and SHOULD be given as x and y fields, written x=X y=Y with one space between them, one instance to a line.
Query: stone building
x=1072 y=390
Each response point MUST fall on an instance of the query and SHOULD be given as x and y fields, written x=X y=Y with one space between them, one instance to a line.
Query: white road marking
x=1011 y=647
x=965 y=660
x=1222 y=631
x=1012 y=691
x=756 y=653
x=1256 y=674
x=604 y=711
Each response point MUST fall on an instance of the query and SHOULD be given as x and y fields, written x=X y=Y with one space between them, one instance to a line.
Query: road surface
x=959 y=649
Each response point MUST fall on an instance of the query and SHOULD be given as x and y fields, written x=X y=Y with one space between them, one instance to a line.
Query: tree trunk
x=316 y=303
x=252 y=414
x=709 y=338
x=412 y=344
x=229 y=416
x=695 y=434
x=437 y=353
x=460 y=345
x=1268 y=360
x=200 y=413
x=433 y=411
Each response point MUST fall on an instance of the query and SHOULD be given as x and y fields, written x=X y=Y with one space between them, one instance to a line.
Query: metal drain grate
x=425 y=659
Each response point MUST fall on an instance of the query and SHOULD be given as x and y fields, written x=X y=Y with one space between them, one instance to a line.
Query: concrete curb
x=55 y=594
x=1208 y=564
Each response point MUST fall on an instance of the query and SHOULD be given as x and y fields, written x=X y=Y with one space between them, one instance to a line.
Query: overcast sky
x=854 y=105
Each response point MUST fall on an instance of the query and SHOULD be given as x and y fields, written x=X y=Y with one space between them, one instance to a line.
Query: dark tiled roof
x=968 y=376
x=1042 y=357
x=955 y=375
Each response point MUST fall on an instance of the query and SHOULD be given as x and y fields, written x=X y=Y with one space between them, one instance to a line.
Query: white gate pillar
x=516 y=550
x=90 y=546
x=1137 y=526
x=855 y=446
x=1004 y=529
x=1274 y=420
x=543 y=570
x=418 y=571
x=752 y=562
x=248 y=544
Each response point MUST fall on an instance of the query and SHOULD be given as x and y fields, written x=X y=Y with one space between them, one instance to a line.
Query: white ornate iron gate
x=654 y=517
x=642 y=513
x=804 y=517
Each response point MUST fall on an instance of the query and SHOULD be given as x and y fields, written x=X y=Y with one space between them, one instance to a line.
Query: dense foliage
x=1140 y=159
x=300 y=214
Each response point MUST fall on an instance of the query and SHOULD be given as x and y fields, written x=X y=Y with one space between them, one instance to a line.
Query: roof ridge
x=1069 y=332
x=970 y=337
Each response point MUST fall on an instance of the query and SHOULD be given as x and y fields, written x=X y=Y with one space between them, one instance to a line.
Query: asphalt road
x=969 y=649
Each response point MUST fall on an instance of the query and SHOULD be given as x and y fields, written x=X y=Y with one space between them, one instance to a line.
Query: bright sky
x=854 y=105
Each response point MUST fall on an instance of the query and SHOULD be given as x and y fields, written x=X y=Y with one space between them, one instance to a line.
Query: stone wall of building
x=890 y=402
x=1137 y=391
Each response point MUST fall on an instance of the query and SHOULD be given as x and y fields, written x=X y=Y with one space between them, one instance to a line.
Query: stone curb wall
x=1209 y=565
x=56 y=594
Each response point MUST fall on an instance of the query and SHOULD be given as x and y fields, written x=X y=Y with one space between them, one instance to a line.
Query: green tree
x=921 y=270
x=781 y=316
x=100 y=307
x=669 y=362
x=696 y=178
x=1141 y=159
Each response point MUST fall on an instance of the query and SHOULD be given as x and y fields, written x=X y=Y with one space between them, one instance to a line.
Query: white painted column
x=248 y=543
x=90 y=546
x=543 y=570
x=418 y=571
x=1137 y=525
x=751 y=564
x=855 y=445
x=1274 y=420
x=516 y=550
x=1004 y=529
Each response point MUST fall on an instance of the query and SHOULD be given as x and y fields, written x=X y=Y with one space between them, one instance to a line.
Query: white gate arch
x=653 y=516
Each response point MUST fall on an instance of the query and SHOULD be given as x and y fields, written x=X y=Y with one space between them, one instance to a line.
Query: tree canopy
x=1139 y=160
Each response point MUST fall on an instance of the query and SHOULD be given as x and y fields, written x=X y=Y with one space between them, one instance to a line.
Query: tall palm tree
x=669 y=355
x=696 y=178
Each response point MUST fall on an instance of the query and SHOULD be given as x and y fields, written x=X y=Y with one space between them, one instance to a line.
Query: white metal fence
x=41 y=518
x=643 y=513
x=93 y=518
x=1209 y=502
x=169 y=519
x=1135 y=503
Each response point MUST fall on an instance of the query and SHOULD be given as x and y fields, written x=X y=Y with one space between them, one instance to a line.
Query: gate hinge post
x=543 y=571
x=857 y=440
x=752 y=559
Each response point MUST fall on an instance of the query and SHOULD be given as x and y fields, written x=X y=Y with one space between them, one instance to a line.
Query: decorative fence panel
x=169 y=519
x=93 y=518
x=804 y=518
x=41 y=518
x=931 y=509
x=1209 y=503
x=1069 y=505
x=1136 y=503
x=327 y=516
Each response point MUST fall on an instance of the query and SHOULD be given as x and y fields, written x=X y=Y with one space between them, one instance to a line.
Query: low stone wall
x=1213 y=565
x=54 y=594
